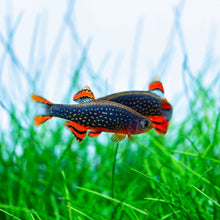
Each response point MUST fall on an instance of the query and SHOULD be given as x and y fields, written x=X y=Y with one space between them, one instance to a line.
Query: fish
x=94 y=115
x=151 y=104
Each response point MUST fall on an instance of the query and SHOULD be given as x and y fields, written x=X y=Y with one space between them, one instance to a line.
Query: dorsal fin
x=84 y=95
x=156 y=87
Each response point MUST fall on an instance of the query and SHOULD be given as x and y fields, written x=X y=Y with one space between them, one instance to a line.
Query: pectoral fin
x=118 y=137
x=78 y=130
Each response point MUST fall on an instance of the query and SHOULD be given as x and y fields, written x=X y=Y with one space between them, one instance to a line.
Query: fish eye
x=144 y=124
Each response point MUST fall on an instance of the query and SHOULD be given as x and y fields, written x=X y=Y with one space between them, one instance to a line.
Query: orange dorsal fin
x=84 y=95
x=79 y=131
x=38 y=120
x=157 y=88
x=93 y=133
x=37 y=98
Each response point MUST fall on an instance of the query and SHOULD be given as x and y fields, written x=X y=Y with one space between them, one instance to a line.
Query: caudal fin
x=37 y=98
x=38 y=120
x=160 y=124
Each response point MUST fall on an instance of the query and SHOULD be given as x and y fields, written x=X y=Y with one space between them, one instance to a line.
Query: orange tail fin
x=37 y=98
x=165 y=105
x=161 y=128
x=160 y=124
x=38 y=120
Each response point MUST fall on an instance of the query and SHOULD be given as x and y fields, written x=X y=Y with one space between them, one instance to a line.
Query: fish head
x=140 y=126
x=145 y=125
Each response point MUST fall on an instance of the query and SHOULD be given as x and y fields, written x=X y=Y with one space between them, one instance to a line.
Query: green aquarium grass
x=46 y=174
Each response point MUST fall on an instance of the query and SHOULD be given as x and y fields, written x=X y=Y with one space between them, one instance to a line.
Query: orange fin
x=157 y=119
x=118 y=137
x=160 y=124
x=94 y=133
x=165 y=105
x=38 y=120
x=157 y=88
x=84 y=95
x=161 y=128
x=37 y=98
x=79 y=131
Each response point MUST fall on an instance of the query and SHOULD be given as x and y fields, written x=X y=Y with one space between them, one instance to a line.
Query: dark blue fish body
x=105 y=115
x=147 y=103
x=97 y=116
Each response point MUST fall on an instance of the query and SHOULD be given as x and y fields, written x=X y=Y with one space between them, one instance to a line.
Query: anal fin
x=78 y=130
x=93 y=133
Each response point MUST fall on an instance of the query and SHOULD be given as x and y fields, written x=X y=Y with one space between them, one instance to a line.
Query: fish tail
x=37 y=98
x=166 y=109
x=45 y=115
x=160 y=124
x=40 y=119
x=166 y=105
x=161 y=128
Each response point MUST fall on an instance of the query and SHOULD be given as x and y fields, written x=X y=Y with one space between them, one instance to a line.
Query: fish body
x=150 y=103
x=97 y=116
